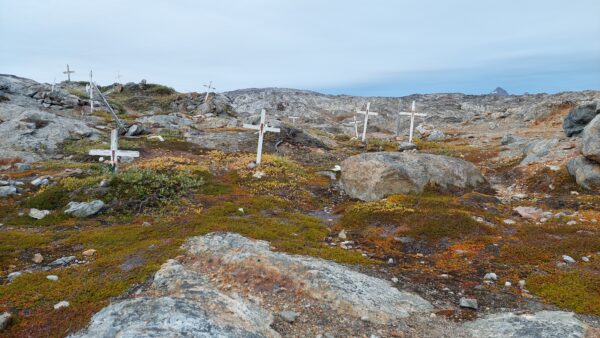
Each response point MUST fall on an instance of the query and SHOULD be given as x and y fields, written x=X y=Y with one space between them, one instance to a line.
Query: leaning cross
x=68 y=72
x=293 y=118
x=114 y=151
x=209 y=87
x=366 y=122
x=262 y=128
x=412 y=115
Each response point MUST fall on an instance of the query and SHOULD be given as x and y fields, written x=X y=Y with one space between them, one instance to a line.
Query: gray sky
x=334 y=46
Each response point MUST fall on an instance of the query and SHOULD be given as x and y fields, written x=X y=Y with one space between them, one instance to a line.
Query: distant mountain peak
x=499 y=91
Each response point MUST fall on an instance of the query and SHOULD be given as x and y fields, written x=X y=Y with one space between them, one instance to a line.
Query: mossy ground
x=202 y=192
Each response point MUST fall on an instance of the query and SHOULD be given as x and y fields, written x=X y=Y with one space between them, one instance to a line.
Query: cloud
x=336 y=45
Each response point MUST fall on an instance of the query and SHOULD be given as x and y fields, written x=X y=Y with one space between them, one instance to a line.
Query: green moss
x=575 y=290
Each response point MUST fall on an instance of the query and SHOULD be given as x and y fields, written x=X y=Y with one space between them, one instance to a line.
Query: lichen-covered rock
x=224 y=283
x=372 y=176
x=590 y=142
x=579 y=117
x=349 y=292
x=586 y=172
x=34 y=134
x=543 y=324
x=84 y=209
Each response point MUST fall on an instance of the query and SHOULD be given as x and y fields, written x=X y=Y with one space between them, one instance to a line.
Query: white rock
x=11 y=276
x=342 y=234
x=391 y=261
x=42 y=180
x=37 y=258
x=38 y=214
x=394 y=280
x=259 y=174
x=568 y=259
x=53 y=278
x=509 y=221
x=507 y=284
x=571 y=222
x=5 y=319
x=61 y=304
x=522 y=283
x=585 y=259
x=490 y=276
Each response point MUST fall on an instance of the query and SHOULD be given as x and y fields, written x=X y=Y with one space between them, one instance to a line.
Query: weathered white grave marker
x=208 y=89
x=262 y=128
x=68 y=72
x=412 y=115
x=355 y=123
x=118 y=77
x=114 y=151
x=53 y=84
x=293 y=118
x=367 y=113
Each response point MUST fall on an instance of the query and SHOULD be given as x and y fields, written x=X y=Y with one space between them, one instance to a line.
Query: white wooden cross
x=68 y=72
x=412 y=115
x=118 y=77
x=293 y=118
x=209 y=87
x=262 y=128
x=355 y=123
x=114 y=151
x=366 y=112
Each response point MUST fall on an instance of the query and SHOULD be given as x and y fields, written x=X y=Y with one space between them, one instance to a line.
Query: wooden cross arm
x=120 y=153
x=272 y=129
x=250 y=126
x=370 y=113
x=409 y=114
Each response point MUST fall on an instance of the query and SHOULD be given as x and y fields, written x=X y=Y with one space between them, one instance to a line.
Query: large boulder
x=590 y=144
x=579 y=117
x=372 y=176
x=586 y=172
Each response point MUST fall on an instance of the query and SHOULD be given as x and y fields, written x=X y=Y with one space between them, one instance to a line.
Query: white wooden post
x=262 y=128
x=366 y=122
x=412 y=115
x=91 y=93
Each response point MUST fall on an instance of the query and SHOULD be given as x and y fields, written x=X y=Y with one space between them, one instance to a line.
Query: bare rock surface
x=229 y=286
x=586 y=172
x=372 y=176
x=579 y=117
x=543 y=324
x=590 y=142
x=34 y=134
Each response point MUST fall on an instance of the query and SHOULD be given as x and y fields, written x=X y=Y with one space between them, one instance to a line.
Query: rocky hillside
x=486 y=226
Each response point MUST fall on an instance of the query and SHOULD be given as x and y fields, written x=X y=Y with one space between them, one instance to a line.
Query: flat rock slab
x=373 y=176
x=543 y=324
x=229 y=286
x=349 y=291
